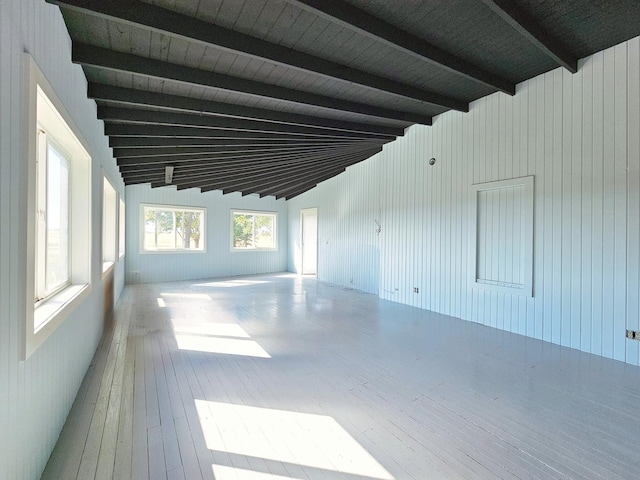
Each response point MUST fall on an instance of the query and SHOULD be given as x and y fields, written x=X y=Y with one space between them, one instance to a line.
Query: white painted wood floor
x=272 y=377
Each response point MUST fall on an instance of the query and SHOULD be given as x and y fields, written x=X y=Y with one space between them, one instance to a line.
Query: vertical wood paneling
x=632 y=352
x=36 y=395
x=578 y=135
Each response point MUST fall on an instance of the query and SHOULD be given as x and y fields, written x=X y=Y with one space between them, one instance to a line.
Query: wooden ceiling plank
x=376 y=28
x=273 y=188
x=103 y=58
x=184 y=152
x=254 y=186
x=163 y=142
x=270 y=176
x=128 y=96
x=193 y=172
x=155 y=117
x=129 y=166
x=174 y=24
x=134 y=130
x=532 y=31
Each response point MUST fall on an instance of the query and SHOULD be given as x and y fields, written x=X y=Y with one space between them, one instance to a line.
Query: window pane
x=121 y=229
x=188 y=229
x=173 y=229
x=264 y=231
x=242 y=230
x=57 y=218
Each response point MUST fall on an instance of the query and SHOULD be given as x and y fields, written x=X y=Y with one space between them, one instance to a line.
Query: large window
x=253 y=230
x=52 y=218
x=173 y=229
x=121 y=229
x=58 y=224
x=109 y=205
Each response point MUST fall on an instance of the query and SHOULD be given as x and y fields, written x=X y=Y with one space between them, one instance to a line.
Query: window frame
x=122 y=213
x=44 y=140
x=45 y=111
x=174 y=208
x=109 y=225
x=235 y=249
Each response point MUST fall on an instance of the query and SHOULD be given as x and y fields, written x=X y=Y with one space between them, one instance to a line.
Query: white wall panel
x=36 y=395
x=578 y=135
x=218 y=260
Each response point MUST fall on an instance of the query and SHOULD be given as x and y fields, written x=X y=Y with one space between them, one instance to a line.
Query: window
x=121 y=223
x=504 y=236
x=52 y=218
x=253 y=230
x=58 y=212
x=109 y=199
x=173 y=229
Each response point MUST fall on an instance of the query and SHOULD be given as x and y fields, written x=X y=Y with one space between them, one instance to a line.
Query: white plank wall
x=578 y=135
x=36 y=395
x=218 y=260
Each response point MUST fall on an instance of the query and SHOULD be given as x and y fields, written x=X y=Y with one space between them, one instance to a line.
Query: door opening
x=309 y=226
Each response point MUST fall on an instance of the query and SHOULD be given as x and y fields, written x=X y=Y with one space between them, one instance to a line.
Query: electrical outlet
x=416 y=290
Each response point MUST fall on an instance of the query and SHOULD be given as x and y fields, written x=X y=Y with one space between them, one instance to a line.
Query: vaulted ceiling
x=272 y=97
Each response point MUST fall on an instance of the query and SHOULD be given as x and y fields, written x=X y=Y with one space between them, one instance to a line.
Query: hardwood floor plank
x=288 y=377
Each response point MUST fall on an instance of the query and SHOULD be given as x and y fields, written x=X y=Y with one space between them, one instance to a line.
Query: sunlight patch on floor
x=230 y=283
x=315 y=441
x=192 y=296
x=213 y=329
x=229 y=346
x=222 y=472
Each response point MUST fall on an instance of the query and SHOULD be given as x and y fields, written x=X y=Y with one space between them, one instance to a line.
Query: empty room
x=319 y=239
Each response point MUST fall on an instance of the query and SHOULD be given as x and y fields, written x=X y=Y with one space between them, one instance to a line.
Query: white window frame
x=254 y=248
x=121 y=228
x=175 y=208
x=45 y=112
x=109 y=225
x=42 y=183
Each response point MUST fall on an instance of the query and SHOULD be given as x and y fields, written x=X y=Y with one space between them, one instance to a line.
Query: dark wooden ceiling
x=274 y=96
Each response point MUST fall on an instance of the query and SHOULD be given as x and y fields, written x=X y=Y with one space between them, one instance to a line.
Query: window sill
x=160 y=252
x=239 y=250
x=59 y=306
x=106 y=268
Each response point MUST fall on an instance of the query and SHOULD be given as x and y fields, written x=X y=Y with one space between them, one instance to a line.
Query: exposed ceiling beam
x=217 y=157
x=275 y=175
x=247 y=185
x=184 y=152
x=133 y=97
x=284 y=188
x=532 y=31
x=135 y=130
x=264 y=171
x=131 y=166
x=352 y=17
x=174 y=24
x=199 y=170
x=249 y=188
x=112 y=60
x=243 y=167
x=164 y=142
x=155 y=117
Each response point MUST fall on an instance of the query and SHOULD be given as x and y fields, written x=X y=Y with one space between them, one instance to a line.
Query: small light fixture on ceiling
x=432 y=161
x=168 y=174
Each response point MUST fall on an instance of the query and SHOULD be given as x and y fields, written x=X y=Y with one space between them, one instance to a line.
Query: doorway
x=309 y=226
